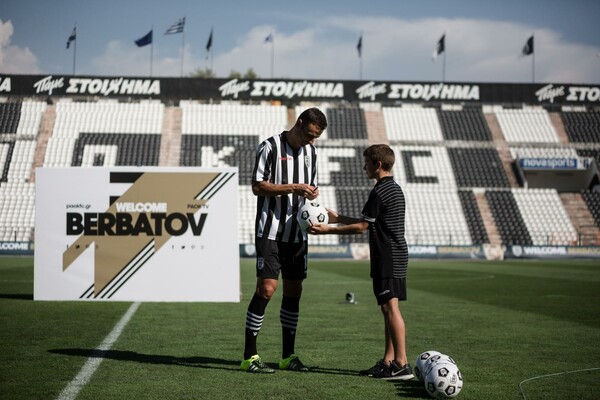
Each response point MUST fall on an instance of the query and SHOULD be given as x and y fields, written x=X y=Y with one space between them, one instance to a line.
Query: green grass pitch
x=503 y=322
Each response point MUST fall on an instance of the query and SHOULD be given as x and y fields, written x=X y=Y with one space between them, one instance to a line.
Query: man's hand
x=306 y=190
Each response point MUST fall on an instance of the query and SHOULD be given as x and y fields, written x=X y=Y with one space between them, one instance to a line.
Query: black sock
x=254 y=320
x=288 y=315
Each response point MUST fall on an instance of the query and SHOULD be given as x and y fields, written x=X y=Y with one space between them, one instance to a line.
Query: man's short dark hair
x=314 y=116
x=383 y=153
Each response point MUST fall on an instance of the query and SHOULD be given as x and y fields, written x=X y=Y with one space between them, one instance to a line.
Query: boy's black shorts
x=388 y=288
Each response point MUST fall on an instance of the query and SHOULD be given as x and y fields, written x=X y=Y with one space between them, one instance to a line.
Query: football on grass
x=311 y=213
x=443 y=380
x=423 y=362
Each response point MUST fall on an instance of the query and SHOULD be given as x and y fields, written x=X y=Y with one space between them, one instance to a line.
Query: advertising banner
x=136 y=234
x=294 y=90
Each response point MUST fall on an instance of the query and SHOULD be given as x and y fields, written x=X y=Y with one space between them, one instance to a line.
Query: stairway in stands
x=46 y=128
x=581 y=218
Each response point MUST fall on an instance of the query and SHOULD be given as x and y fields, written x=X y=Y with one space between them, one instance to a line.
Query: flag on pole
x=269 y=38
x=440 y=48
x=528 y=48
x=72 y=37
x=209 y=41
x=177 y=27
x=144 y=40
x=359 y=46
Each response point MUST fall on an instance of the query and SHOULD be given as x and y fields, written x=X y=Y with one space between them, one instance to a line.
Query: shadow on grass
x=196 y=362
x=333 y=371
x=122 y=355
x=16 y=296
x=413 y=389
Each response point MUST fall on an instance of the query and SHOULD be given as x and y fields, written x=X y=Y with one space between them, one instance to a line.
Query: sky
x=312 y=39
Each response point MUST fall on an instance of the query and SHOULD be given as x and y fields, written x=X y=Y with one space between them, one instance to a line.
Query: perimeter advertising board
x=136 y=234
x=293 y=90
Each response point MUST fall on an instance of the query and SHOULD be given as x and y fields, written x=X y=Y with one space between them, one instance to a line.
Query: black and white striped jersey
x=385 y=212
x=278 y=163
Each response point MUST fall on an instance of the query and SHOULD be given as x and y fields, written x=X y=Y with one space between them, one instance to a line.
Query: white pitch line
x=550 y=375
x=85 y=374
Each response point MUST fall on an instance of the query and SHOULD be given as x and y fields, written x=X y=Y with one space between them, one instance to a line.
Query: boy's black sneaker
x=396 y=373
x=375 y=371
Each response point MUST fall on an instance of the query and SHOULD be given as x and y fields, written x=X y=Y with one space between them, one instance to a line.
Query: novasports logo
x=549 y=163
x=124 y=224
x=14 y=246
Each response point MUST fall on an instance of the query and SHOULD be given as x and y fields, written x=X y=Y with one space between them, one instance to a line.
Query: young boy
x=383 y=216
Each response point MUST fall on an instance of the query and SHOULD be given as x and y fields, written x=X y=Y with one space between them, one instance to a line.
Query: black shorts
x=289 y=258
x=388 y=288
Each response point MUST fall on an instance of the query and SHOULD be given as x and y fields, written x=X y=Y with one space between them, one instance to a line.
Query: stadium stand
x=582 y=126
x=346 y=123
x=477 y=167
x=509 y=221
x=592 y=199
x=473 y=217
x=105 y=133
x=544 y=216
x=463 y=123
x=412 y=123
x=19 y=125
x=447 y=160
x=526 y=125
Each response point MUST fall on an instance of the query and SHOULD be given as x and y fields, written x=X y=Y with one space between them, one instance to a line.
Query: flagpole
x=533 y=60
x=75 y=49
x=360 y=71
x=444 y=66
x=211 y=52
x=272 y=54
x=151 y=49
x=182 y=48
x=444 y=62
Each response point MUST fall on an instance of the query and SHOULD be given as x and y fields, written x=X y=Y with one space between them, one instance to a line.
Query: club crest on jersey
x=260 y=263
x=307 y=161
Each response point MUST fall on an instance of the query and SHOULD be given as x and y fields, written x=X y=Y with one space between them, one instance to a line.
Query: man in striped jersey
x=285 y=174
x=383 y=215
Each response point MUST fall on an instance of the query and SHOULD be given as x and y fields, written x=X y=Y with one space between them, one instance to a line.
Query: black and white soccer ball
x=312 y=213
x=422 y=362
x=443 y=380
x=434 y=359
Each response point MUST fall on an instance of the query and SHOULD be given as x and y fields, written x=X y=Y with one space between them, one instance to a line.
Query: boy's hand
x=333 y=216
x=318 y=229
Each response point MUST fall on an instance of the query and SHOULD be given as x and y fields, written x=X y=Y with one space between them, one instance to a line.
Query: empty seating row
x=104 y=116
x=545 y=217
x=17 y=211
x=21 y=118
x=464 y=123
x=346 y=123
x=530 y=124
x=232 y=119
x=582 y=127
x=531 y=217
x=412 y=123
x=436 y=177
